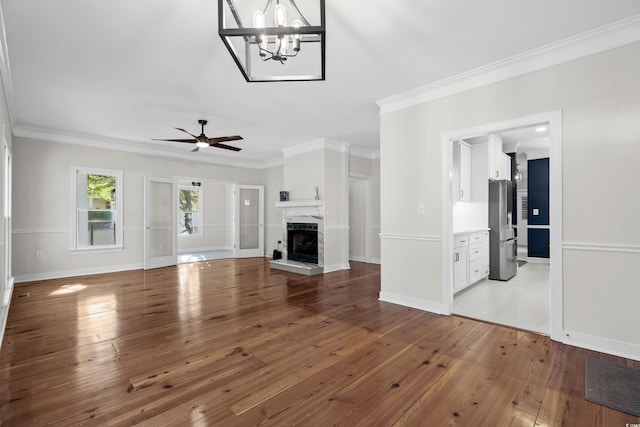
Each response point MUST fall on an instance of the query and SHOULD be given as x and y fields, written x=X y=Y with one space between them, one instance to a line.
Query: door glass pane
x=249 y=218
x=160 y=219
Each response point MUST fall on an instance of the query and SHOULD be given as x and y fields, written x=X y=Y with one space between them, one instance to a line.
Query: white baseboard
x=357 y=258
x=420 y=304
x=72 y=273
x=602 y=345
x=336 y=267
x=204 y=249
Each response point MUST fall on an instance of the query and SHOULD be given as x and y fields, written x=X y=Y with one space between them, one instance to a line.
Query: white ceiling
x=129 y=71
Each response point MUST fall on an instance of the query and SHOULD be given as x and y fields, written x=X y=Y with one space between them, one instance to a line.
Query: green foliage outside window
x=102 y=187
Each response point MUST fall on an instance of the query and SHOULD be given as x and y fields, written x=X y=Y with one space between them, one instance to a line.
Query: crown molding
x=130 y=146
x=620 y=33
x=363 y=152
x=318 y=144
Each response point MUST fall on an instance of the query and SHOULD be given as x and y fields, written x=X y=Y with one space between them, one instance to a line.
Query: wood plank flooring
x=233 y=343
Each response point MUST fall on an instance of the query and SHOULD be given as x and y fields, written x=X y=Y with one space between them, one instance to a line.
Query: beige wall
x=598 y=96
x=42 y=204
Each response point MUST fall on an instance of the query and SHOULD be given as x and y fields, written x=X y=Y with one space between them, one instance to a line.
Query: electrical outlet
x=39 y=254
x=420 y=208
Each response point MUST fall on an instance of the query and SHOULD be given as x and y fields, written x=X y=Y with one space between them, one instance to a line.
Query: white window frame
x=200 y=191
x=119 y=232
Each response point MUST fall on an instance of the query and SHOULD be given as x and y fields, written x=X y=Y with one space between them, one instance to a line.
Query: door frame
x=248 y=253
x=156 y=262
x=554 y=119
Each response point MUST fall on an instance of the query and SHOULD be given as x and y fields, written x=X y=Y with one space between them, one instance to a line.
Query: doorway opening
x=205 y=219
x=546 y=276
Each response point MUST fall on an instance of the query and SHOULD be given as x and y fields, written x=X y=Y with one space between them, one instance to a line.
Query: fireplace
x=302 y=242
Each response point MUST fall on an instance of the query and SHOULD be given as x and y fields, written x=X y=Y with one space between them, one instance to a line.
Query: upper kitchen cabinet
x=461 y=172
x=499 y=162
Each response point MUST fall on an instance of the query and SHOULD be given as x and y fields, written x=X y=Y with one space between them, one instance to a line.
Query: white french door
x=160 y=235
x=249 y=221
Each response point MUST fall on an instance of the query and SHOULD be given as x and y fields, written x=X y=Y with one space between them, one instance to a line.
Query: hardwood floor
x=233 y=343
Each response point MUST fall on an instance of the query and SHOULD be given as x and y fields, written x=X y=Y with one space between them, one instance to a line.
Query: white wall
x=598 y=96
x=327 y=169
x=273 y=181
x=42 y=204
x=6 y=282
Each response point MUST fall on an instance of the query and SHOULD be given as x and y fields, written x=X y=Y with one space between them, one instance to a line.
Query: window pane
x=189 y=201
x=96 y=204
x=186 y=223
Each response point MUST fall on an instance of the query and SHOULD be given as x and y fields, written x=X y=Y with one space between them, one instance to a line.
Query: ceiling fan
x=203 y=141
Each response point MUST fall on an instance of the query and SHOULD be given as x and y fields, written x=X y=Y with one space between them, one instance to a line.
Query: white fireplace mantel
x=314 y=208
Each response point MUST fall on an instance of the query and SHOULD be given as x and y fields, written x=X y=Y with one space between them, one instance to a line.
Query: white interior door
x=160 y=210
x=249 y=221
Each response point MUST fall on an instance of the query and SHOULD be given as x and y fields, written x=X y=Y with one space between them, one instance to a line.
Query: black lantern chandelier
x=286 y=41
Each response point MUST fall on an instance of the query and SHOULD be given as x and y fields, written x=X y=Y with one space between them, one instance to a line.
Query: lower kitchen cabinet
x=470 y=258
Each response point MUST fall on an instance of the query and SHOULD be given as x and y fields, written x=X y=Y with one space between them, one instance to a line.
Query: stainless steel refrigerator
x=503 y=261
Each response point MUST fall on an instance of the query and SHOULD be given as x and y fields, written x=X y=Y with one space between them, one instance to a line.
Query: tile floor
x=521 y=302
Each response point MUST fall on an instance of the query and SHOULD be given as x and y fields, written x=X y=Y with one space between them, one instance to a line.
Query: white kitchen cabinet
x=499 y=162
x=470 y=258
x=460 y=262
x=505 y=166
x=495 y=149
x=485 y=253
x=461 y=172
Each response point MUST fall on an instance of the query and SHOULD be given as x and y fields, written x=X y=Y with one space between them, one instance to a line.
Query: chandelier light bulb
x=283 y=46
x=296 y=37
x=258 y=19
x=280 y=16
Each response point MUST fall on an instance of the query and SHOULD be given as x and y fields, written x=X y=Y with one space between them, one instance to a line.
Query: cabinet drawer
x=475 y=252
x=460 y=240
x=475 y=238
x=475 y=271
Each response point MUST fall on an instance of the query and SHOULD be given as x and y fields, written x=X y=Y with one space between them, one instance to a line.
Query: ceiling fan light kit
x=282 y=40
x=203 y=141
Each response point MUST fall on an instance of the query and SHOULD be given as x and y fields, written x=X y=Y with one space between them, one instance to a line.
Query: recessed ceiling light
x=541 y=129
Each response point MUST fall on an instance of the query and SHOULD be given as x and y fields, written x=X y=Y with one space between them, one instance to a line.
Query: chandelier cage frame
x=253 y=59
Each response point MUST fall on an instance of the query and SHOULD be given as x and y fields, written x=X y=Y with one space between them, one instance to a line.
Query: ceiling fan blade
x=177 y=140
x=195 y=150
x=180 y=129
x=226 y=147
x=217 y=139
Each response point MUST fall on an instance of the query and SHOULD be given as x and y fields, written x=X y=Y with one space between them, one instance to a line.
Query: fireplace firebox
x=302 y=242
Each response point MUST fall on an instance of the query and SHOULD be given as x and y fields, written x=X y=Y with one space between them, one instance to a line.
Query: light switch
x=420 y=208
x=536 y=212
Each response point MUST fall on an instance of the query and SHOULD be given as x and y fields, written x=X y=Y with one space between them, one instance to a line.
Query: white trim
x=423 y=238
x=541 y=227
x=365 y=153
x=337 y=228
x=101 y=250
x=554 y=119
x=318 y=144
x=602 y=345
x=293 y=208
x=336 y=267
x=119 y=210
x=600 y=39
x=74 y=273
x=420 y=304
x=59 y=230
x=601 y=247
x=205 y=249
x=5 y=71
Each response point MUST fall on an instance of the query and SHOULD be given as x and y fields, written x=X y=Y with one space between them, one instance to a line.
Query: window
x=98 y=208
x=189 y=210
